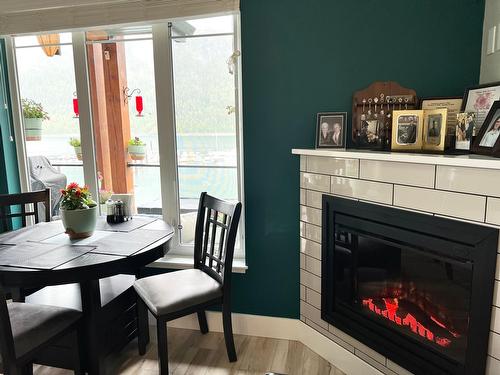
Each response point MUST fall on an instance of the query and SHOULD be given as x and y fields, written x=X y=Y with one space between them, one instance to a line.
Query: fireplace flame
x=390 y=309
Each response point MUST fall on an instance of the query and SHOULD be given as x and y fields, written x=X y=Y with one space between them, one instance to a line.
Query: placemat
x=126 y=244
x=128 y=226
x=38 y=255
x=38 y=232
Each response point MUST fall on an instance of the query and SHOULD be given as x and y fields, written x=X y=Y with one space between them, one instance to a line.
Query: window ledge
x=180 y=262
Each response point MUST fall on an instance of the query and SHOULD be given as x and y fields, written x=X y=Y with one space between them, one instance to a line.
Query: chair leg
x=202 y=320
x=78 y=353
x=27 y=369
x=228 y=332
x=161 y=329
x=142 y=326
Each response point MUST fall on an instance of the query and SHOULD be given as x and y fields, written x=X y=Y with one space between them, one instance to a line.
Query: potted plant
x=78 y=211
x=33 y=114
x=136 y=149
x=77 y=146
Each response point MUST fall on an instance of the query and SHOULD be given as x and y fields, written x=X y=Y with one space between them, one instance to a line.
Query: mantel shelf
x=471 y=160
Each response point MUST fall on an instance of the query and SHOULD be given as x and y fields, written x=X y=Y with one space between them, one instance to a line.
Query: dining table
x=43 y=255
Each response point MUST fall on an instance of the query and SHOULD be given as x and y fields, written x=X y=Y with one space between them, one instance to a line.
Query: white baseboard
x=283 y=328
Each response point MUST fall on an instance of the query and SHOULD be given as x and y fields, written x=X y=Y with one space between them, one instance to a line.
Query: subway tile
x=497 y=273
x=303 y=197
x=313 y=298
x=310 y=215
x=397 y=368
x=468 y=180
x=358 y=345
x=464 y=206
x=302 y=229
x=495 y=320
x=496 y=294
x=310 y=281
x=494 y=345
x=367 y=190
x=313 y=232
x=492 y=366
x=303 y=292
x=311 y=248
x=315 y=182
x=313 y=265
x=303 y=163
x=333 y=166
x=379 y=366
x=330 y=335
x=314 y=199
x=398 y=173
x=302 y=261
x=302 y=318
x=493 y=211
x=312 y=313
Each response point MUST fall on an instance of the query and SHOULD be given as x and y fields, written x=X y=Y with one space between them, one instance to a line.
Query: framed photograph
x=480 y=99
x=331 y=130
x=407 y=130
x=452 y=104
x=435 y=129
x=465 y=130
x=486 y=142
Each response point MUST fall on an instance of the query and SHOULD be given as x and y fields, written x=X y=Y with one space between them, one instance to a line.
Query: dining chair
x=8 y=213
x=173 y=295
x=27 y=330
x=9 y=201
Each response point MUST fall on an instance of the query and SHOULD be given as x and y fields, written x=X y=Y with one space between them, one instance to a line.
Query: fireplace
x=414 y=287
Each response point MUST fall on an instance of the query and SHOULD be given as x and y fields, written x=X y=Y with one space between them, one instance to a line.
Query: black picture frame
x=330 y=139
x=477 y=87
x=478 y=147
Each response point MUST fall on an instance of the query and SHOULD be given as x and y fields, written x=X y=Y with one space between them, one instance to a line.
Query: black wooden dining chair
x=8 y=202
x=173 y=295
x=26 y=330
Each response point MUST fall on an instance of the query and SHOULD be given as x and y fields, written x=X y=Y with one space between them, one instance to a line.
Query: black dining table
x=43 y=255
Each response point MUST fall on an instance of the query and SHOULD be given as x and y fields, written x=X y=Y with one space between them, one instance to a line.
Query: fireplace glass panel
x=414 y=292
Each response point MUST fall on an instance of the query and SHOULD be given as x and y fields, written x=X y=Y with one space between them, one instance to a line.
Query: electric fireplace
x=414 y=287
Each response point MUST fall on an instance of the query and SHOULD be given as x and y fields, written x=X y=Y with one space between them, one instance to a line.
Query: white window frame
x=180 y=255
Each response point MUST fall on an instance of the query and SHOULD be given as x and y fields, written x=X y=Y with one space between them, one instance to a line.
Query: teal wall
x=303 y=57
x=9 y=176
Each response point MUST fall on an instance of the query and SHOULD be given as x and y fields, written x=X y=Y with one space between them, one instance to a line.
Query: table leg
x=91 y=306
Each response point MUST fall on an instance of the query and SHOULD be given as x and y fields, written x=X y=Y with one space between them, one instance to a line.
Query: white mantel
x=471 y=160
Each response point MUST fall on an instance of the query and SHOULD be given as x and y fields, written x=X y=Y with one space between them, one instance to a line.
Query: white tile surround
x=462 y=188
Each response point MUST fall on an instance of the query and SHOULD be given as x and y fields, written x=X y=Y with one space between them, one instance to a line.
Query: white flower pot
x=33 y=129
x=78 y=152
x=137 y=152
x=79 y=223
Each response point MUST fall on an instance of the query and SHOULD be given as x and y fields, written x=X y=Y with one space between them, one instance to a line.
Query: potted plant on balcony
x=78 y=211
x=33 y=114
x=136 y=149
x=77 y=146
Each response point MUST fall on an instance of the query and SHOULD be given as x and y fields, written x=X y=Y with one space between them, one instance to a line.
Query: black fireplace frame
x=452 y=238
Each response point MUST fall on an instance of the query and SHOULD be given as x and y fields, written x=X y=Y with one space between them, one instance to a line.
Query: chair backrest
x=7 y=201
x=215 y=237
x=7 y=349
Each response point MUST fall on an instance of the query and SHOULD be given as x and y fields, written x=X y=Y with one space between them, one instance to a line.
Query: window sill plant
x=77 y=146
x=78 y=211
x=34 y=115
x=136 y=149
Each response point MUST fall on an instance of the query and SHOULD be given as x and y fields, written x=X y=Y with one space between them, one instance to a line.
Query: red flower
x=73 y=185
x=63 y=192
x=78 y=193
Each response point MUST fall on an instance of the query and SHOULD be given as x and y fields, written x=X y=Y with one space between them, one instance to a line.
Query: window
x=123 y=82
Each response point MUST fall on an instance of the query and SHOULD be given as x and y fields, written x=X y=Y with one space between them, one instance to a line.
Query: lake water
x=203 y=166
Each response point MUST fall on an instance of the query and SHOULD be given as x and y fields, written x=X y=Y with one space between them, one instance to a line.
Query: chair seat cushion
x=33 y=325
x=175 y=291
x=68 y=295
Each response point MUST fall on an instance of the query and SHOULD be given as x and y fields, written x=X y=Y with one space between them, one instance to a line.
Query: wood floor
x=190 y=352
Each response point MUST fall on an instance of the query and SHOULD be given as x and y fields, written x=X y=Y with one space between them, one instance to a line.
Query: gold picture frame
x=407 y=127
x=435 y=129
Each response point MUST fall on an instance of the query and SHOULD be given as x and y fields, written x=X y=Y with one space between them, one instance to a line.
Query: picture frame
x=454 y=105
x=465 y=130
x=487 y=141
x=407 y=128
x=480 y=99
x=331 y=130
x=435 y=129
